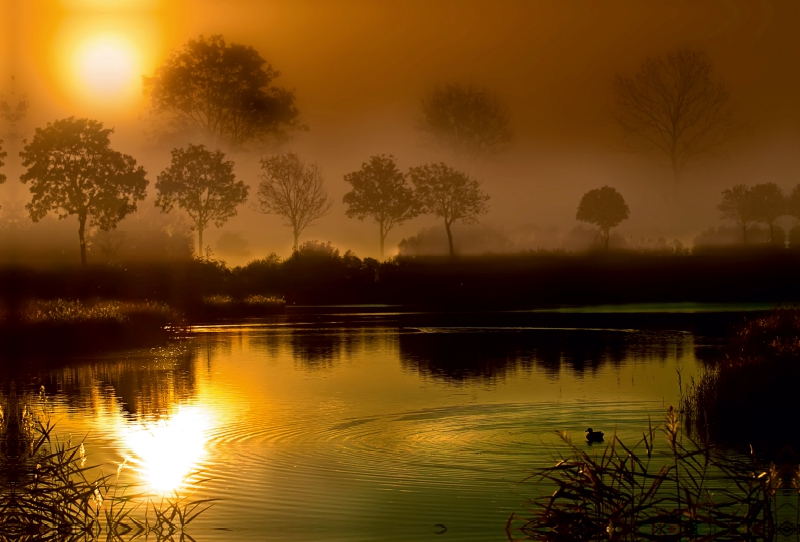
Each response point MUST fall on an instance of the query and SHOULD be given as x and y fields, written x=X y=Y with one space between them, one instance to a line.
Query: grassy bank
x=749 y=396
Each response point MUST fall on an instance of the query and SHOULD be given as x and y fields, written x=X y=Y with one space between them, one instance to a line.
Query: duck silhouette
x=594 y=436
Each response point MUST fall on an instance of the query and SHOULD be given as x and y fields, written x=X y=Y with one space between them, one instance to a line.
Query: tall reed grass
x=664 y=487
x=49 y=493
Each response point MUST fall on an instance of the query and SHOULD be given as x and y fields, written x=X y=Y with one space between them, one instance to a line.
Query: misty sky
x=359 y=70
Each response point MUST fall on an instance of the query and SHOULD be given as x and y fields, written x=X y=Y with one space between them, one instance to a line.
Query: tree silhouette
x=604 y=207
x=768 y=205
x=738 y=204
x=468 y=121
x=676 y=105
x=293 y=190
x=3 y=154
x=222 y=91
x=793 y=202
x=203 y=184
x=73 y=171
x=380 y=191
x=449 y=194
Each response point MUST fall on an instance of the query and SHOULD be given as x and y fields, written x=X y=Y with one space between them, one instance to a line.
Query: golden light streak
x=166 y=452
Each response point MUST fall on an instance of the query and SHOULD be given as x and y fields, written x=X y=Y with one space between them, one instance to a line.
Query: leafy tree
x=449 y=194
x=380 y=191
x=203 y=184
x=676 y=105
x=738 y=204
x=604 y=207
x=293 y=190
x=223 y=91
x=768 y=205
x=73 y=171
x=793 y=202
x=468 y=121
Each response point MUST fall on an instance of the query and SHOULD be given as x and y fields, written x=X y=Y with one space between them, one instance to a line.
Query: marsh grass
x=667 y=488
x=49 y=493
x=749 y=397
x=225 y=306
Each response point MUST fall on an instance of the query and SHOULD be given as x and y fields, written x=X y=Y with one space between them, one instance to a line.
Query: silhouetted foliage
x=74 y=171
x=203 y=184
x=675 y=104
x=746 y=397
x=468 y=121
x=738 y=204
x=604 y=207
x=768 y=205
x=380 y=191
x=449 y=194
x=3 y=154
x=293 y=190
x=223 y=91
x=793 y=202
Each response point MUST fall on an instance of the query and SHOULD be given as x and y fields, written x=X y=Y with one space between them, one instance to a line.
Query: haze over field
x=359 y=71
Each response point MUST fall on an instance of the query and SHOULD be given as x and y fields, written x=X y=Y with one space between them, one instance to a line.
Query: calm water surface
x=366 y=426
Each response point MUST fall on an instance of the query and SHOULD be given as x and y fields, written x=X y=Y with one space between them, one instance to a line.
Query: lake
x=371 y=423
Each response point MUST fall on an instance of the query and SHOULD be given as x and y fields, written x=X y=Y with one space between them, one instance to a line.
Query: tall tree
x=223 y=91
x=203 y=184
x=768 y=205
x=73 y=171
x=449 y=194
x=380 y=191
x=674 y=104
x=468 y=121
x=605 y=208
x=293 y=190
x=738 y=204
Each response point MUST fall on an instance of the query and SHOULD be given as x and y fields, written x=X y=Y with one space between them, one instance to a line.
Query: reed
x=49 y=493
x=681 y=491
x=745 y=397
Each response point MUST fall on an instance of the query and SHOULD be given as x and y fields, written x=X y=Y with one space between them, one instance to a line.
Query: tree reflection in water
x=461 y=354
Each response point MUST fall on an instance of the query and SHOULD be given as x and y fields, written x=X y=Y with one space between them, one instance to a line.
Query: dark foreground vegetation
x=317 y=273
x=49 y=492
x=749 y=398
x=665 y=487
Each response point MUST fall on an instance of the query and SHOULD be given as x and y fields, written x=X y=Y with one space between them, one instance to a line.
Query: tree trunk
x=676 y=177
x=449 y=238
x=605 y=237
x=383 y=237
x=296 y=237
x=771 y=233
x=200 y=241
x=81 y=238
x=744 y=233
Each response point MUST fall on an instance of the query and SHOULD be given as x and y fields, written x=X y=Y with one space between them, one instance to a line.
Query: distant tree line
x=763 y=203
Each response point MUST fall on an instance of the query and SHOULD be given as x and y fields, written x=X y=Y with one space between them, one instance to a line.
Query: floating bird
x=594 y=436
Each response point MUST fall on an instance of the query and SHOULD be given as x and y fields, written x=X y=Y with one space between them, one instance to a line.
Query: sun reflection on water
x=166 y=452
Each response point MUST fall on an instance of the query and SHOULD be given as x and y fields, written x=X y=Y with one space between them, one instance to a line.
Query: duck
x=594 y=436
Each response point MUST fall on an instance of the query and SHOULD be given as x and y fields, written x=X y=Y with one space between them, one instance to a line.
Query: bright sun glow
x=108 y=66
x=165 y=452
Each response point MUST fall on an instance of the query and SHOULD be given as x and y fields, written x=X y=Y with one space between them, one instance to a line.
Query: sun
x=107 y=67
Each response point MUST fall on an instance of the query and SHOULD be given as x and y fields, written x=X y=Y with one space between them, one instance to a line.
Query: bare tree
x=468 y=121
x=293 y=190
x=676 y=105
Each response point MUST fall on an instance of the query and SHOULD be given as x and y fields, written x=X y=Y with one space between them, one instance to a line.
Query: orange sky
x=359 y=69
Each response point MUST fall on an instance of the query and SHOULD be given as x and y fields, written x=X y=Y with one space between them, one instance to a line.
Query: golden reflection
x=167 y=451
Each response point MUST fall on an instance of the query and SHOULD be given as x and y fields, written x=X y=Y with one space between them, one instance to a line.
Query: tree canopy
x=605 y=208
x=224 y=92
x=449 y=194
x=674 y=104
x=738 y=204
x=73 y=171
x=293 y=190
x=469 y=121
x=768 y=205
x=202 y=183
x=380 y=191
